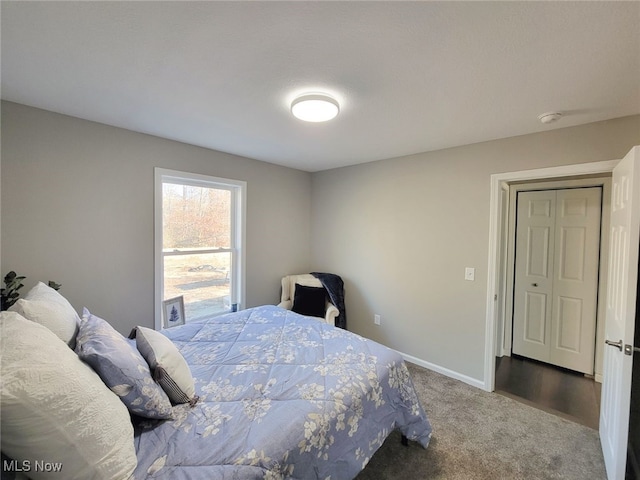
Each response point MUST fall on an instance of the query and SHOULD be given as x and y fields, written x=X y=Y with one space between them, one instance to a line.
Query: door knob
x=629 y=349
x=617 y=344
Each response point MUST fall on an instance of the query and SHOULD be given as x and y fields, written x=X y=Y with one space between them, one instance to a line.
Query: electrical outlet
x=470 y=274
x=376 y=319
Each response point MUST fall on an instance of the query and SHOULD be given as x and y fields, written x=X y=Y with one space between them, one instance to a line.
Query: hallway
x=555 y=390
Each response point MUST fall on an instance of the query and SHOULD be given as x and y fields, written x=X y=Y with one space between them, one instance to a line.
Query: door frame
x=496 y=228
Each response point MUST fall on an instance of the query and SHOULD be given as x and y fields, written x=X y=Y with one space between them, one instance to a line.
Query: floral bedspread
x=282 y=396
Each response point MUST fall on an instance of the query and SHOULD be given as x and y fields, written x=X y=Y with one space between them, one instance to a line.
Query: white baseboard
x=444 y=371
x=598 y=377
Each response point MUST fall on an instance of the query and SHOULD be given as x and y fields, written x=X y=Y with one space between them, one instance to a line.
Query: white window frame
x=238 y=189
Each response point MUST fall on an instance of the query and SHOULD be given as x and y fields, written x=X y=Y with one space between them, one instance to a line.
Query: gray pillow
x=169 y=366
x=121 y=368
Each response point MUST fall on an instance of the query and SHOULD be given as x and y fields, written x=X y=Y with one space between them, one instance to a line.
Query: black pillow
x=309 y=300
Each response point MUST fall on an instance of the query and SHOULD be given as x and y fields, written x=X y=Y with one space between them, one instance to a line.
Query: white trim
x=241 y=222
x=444 y=371
x=503 y=259
x=203 y=251
x=238 y=236
x=494 y=233
x=157 y=247
x=197 y=179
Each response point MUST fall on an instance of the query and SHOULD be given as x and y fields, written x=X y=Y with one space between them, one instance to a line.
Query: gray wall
x=77 y=208
x=401 y=232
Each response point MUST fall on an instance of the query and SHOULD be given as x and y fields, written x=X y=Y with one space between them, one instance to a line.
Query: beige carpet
x=479 y=435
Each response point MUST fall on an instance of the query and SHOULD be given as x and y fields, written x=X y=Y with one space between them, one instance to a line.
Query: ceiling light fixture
x=315 y=107
x=550 y=117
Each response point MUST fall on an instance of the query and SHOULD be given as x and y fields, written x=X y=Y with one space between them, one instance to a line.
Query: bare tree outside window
x=196 y=217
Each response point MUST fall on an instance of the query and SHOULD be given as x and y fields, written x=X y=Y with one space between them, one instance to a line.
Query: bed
x=279 y=396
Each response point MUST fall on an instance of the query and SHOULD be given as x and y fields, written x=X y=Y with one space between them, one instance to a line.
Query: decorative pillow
x=121 y=368
x=56 y=409
x=169 y=367
x=43 y=305
x=309 y=300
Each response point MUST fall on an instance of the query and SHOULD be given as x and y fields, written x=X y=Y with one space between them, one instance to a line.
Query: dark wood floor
x=556 y=390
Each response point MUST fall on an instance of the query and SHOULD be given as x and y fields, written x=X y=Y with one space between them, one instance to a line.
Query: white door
x=575 y=279
x=533 y=287
x=556 y=276
x=620 y=316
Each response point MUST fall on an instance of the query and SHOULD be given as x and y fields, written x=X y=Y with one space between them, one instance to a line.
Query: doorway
x=494 y=338
x=505 y=332
x=557 y=390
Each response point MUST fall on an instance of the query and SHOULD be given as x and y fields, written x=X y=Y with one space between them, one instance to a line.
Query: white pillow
x=169 y=367
x=47 y=307
x=56 y=409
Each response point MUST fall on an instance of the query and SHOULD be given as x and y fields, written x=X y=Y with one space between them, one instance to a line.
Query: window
x=199 y=243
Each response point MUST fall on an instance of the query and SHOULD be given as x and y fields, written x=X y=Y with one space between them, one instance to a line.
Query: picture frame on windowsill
x=173 y=312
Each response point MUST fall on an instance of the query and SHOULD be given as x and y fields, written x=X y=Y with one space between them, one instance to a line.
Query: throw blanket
x=334 y=286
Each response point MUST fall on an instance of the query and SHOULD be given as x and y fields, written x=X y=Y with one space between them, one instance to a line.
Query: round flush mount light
x=549 y=117
x=315 y=107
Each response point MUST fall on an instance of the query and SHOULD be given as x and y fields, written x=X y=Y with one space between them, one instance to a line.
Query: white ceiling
x=410 y=76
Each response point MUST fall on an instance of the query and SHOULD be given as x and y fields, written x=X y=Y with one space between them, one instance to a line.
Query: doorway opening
x=496 y=281
x=545 y=381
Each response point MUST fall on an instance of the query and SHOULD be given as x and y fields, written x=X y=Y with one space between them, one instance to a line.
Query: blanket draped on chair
x=334 y=286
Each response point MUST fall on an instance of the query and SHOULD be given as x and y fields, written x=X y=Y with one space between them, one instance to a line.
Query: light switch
x=470 y=274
